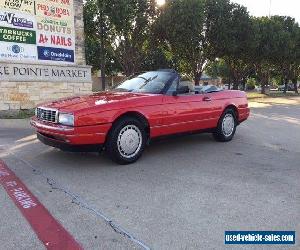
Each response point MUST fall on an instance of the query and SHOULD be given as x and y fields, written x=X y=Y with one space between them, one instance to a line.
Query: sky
x=278 y=7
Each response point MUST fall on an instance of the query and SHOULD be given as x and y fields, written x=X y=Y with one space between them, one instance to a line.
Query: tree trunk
x=244 y=84
x=102 y=49
x=264 y=82
x=197 y=76
x=295 y=85
x=286 y=81
x=263 y=88
x=229 y=82
x=235 y=85
x=236 y=80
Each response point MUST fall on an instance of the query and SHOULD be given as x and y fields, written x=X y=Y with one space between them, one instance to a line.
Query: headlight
x=66 y=119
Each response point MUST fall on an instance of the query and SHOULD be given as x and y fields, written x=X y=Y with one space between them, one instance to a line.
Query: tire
x=126 y=141
x=226 y=126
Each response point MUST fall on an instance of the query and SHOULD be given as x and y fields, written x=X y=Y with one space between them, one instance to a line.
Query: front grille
x=46 y=114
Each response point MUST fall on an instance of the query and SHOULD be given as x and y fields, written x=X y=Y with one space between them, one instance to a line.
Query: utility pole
x=270 y=8
x=102 y=47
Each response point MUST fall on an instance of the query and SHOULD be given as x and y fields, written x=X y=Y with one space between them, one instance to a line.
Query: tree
x=277 y=49
x=92 y=40
x=129 y=24
x=124 y=26
x=218 y=27
x=91 y=32
x=289 y=60
x=238 y=45
x=180 y=28
x=219 y=68
x=191 y=35
x=265 y=49
x=283 y=47
x=155 y=58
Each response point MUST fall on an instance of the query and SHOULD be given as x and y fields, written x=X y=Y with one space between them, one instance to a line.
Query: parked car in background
x=124 y=119
x=258 y=88
x=290 y=87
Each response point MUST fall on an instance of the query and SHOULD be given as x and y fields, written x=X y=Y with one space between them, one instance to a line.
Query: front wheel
x=226 y=126
x=126 y=141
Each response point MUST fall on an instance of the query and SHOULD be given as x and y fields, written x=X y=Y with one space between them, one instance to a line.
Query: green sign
x=17 y=35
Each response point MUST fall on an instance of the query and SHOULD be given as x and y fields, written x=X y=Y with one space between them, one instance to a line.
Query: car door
x=205 y=107
x=185 y=112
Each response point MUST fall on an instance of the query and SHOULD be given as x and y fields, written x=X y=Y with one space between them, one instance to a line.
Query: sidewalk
x=269 y=101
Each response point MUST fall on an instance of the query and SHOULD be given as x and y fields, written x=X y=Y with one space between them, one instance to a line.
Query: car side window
x=173 y=87
x=189 y=85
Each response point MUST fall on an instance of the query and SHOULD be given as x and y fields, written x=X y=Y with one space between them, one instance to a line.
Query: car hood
x=76 y=103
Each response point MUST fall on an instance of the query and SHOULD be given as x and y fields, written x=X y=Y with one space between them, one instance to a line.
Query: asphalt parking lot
x=182 y=194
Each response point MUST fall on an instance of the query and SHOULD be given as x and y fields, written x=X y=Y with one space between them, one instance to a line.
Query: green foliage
x=277 y=52
x=92 y=40
x=218 y=68
x=129 y=24
x=155 y=58
x=91 y=35
x=180 y=28
x=126 y=30
x=192 y=36
x=218 y=26
x=238 y=50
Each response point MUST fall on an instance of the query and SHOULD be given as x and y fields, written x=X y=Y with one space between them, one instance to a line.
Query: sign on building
x=37 y=31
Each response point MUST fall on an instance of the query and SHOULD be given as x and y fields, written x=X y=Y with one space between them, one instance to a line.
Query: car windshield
x=151 y=82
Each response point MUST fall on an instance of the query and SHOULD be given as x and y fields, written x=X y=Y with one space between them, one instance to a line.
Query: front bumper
x=59 y=135
x=68 y=147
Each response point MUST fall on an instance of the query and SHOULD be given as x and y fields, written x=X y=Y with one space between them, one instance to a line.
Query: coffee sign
x=17 y=35
x=43 y=30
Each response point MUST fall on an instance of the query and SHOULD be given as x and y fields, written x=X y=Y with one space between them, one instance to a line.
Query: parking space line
x=50 y=232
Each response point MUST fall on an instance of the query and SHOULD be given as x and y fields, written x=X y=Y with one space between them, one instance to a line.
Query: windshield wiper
x=142 y=78
x=147 y=81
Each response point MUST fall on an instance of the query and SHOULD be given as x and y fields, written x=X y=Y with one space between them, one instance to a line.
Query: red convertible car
x=124 y=119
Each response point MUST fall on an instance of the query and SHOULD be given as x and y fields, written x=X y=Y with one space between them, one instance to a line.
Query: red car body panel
x=166 y=114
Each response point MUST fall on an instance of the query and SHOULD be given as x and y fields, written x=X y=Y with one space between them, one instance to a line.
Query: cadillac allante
x=122 y=121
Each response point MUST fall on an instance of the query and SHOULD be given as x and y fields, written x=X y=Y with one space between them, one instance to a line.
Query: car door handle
x=206 y=99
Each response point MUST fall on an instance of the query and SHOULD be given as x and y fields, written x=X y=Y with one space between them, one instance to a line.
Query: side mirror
x=183 y=90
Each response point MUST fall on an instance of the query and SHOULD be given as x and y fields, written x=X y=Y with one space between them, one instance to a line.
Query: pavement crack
x=77 y=200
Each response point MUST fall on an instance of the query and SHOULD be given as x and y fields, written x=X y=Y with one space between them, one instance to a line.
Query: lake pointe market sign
x=44 y=73
x=37 y=31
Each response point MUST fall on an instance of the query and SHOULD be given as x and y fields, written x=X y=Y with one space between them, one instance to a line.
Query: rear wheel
x=126 y=141
x=226 y=126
